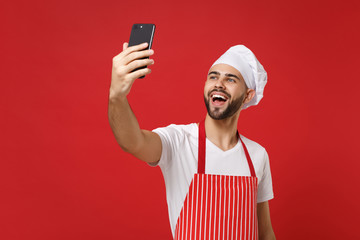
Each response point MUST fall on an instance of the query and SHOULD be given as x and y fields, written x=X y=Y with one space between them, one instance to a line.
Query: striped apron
x=219 y=206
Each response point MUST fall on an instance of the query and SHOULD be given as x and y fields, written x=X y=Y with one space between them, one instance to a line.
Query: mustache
x=219 y=90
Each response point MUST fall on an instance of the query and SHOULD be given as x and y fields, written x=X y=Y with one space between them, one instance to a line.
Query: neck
x=223 y=133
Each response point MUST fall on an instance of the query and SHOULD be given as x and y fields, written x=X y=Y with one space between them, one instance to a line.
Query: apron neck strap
x=202 y=150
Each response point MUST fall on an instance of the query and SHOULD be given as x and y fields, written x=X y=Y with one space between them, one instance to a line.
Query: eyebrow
x=226 y=74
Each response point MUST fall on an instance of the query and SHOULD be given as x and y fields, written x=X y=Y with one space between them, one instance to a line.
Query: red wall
x=62 y=174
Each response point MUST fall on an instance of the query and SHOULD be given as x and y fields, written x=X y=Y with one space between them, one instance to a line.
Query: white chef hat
x=254 y=74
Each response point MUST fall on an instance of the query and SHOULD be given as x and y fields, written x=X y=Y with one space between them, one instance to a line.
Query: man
x=218 y=182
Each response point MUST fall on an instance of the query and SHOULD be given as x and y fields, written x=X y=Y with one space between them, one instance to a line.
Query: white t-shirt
x=179 y=159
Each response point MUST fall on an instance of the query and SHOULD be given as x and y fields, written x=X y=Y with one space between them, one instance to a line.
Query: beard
x=231 y=109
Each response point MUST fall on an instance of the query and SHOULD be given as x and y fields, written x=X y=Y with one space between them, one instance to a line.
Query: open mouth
x=218 y=99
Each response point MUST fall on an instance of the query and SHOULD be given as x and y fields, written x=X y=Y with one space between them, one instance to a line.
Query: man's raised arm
x=143 y=144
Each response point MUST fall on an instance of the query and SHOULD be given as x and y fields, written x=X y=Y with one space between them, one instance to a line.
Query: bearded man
x=218 y=182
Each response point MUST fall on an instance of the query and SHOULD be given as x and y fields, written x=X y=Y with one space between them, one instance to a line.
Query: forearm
x=143 y=144
x=266 y=231
x=267 y=236
x=124 y=124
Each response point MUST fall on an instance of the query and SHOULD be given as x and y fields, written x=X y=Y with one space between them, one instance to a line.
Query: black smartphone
x=140 y=33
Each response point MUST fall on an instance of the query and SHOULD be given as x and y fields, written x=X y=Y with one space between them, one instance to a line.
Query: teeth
x=218 y=96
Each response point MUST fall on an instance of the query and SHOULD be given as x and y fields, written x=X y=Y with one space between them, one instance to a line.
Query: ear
x=250 y=94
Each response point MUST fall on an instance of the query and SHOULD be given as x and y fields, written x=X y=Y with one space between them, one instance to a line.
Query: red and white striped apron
x=219 y=206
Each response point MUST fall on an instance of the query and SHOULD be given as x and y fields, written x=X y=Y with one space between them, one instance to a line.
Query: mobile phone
x=140 y=33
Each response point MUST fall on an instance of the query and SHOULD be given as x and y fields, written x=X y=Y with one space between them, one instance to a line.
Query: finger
x=125 y=45
x=134 y=48
x=139 y=73
x=137 y=55
x=138 y=64
x=124 y=60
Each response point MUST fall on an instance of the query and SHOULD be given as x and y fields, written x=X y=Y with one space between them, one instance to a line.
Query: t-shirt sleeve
x=265 y=188
x=170 y=137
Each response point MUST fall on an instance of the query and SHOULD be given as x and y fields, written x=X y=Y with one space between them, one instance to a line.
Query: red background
x=62 y=174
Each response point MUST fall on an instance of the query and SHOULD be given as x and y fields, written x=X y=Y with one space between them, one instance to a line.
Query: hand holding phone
x=131 y=64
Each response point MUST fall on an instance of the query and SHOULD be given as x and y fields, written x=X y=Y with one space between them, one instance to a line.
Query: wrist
x=116 y=97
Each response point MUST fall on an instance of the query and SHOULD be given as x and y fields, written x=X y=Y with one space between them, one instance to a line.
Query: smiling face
x=224 y=91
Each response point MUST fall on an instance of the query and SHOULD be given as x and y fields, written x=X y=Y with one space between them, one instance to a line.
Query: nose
x=220 y=83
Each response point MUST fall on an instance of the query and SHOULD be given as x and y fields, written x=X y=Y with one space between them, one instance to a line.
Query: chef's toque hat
x=254 y=74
